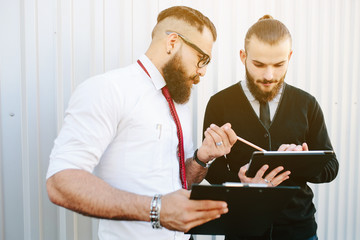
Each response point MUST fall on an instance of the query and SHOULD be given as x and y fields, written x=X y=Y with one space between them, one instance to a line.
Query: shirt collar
x=156 y=77
x=251 y=98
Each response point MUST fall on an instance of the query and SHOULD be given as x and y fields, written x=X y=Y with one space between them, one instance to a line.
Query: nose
x=269 y=73
x=201 y=71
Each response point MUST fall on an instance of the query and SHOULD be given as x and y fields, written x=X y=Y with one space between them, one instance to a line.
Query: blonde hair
x=188 y=15
x=268 y=30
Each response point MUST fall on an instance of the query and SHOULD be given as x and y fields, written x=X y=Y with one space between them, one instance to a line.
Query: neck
x=157 y=58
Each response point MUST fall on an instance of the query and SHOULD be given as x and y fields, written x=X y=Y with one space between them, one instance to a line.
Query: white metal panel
x=46 y=116
x=30 y=138
x=48 y=47
x=115 y=14
x=64 y=56
x=142 y=9
x=11 y=120
x=81 y=15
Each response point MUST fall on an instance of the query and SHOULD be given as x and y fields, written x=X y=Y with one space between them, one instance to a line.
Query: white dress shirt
x=119 y=126
x=273 y=104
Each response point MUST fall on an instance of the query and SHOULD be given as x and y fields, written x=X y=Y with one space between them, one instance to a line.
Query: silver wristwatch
x=155 y=208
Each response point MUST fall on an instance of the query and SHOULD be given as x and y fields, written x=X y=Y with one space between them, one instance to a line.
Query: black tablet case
x=251 y=209
x=305 y=164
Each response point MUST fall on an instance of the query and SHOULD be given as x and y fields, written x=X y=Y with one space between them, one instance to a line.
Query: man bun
x=267 y=16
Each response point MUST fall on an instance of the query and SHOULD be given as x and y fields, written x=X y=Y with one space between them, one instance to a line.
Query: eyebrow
x=258 y=62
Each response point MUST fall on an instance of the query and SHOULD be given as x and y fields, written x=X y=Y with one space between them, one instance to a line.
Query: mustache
x=266 y=81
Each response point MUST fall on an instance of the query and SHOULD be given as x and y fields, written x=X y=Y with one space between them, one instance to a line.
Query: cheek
x=189 y=67
x=279 y=73
x=190 y=60
x=255 y=73
x=189 y=72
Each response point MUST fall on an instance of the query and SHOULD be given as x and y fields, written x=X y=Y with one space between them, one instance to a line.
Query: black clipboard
x=305 y=164
x=252 y=207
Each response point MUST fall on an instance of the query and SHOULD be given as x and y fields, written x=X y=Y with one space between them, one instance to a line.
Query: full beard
x=178 y=84
x=259 y=94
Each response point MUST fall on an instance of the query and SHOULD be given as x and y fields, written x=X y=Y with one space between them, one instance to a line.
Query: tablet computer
x=304 y=164
x=252 y=207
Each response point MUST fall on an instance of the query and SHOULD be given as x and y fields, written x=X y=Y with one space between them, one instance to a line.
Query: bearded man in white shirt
x=117 y=155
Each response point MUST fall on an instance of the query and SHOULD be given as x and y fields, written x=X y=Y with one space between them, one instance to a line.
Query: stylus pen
x=250 y=144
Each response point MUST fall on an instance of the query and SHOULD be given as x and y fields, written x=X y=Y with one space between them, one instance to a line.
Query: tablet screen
x=305 y=164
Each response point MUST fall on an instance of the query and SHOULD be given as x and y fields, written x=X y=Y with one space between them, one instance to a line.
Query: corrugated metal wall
x=48 y=47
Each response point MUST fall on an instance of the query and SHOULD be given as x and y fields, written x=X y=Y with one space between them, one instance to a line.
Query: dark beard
x=258 y=93
x=176 y=80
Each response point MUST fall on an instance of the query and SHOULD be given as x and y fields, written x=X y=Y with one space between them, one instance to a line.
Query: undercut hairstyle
x=189 y=15
x=268 y=30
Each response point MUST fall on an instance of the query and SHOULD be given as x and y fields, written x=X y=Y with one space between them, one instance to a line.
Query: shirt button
x=266 y=135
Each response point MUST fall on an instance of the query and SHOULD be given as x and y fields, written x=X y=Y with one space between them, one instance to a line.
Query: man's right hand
x=180 y=213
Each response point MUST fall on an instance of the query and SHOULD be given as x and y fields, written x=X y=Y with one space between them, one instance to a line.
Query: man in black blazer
x=268 y=112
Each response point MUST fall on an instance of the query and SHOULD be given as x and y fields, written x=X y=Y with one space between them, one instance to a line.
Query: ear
x=243 y=56
x=171 y=42
x=290 y=54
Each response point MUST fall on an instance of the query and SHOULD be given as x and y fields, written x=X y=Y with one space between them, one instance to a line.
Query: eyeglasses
x=204 y=60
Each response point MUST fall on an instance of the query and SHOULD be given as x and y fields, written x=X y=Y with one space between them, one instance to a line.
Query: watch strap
x=201 y=163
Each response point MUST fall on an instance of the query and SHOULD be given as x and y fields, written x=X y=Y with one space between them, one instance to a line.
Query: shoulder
x=110 y=89
x=111 y=78
x=115 y=83
x=299 y=99
x=298 y=94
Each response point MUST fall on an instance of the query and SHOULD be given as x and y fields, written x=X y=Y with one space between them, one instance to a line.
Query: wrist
x=200 y=162
x=155 y=208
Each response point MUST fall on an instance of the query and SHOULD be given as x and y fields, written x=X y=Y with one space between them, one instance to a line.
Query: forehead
x=266 y=53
